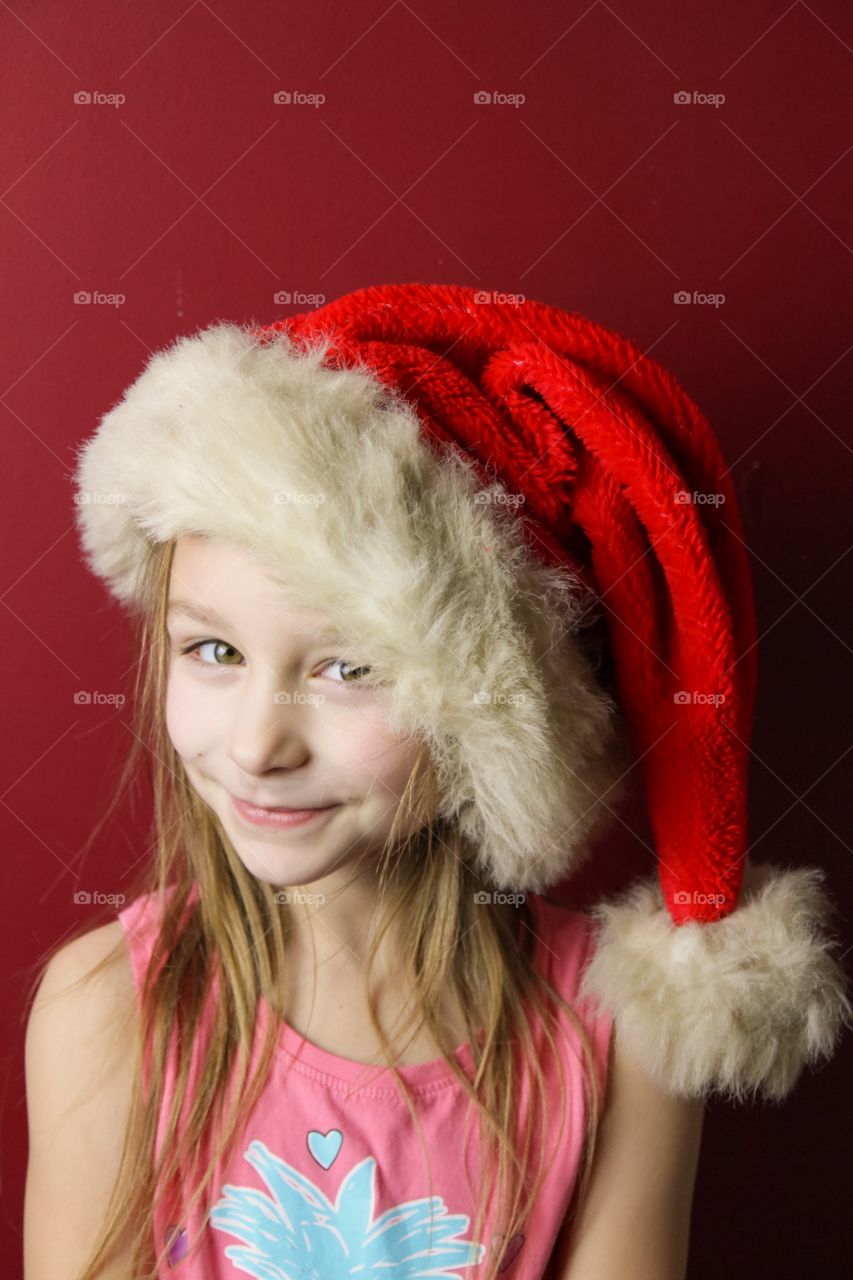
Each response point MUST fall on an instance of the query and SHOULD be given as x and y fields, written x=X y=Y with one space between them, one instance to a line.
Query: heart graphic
x=324 y=1147
x=510 y=1252
x=176 y=1245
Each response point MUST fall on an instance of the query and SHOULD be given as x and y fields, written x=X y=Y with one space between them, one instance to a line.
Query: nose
x=268 y=729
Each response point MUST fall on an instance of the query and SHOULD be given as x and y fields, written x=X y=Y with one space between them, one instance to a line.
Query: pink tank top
x=329 y=1179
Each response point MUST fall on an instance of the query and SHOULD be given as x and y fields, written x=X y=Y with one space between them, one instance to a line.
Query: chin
x=279 y=868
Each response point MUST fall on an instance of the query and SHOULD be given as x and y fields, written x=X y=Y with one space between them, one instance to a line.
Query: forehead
x=216 y=583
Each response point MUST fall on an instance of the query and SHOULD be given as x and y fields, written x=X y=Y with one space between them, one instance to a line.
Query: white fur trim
x=739 y=1006
x=395 y=546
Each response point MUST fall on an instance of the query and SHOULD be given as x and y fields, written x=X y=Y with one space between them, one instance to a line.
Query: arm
x=635 y=1219
x=78 y=1074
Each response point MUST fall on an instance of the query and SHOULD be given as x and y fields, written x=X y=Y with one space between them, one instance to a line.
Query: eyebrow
x=196 y=611
x=200 y=613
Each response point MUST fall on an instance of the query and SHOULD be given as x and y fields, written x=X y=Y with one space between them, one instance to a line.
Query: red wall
x=199 y=197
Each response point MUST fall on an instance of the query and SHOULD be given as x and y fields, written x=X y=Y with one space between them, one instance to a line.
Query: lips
x=281 y=819
x=282 y=808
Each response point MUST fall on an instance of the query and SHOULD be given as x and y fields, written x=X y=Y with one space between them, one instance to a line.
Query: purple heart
x=176 y=1244
x=511 y=1251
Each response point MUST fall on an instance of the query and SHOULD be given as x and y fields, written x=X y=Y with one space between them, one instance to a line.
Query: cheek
x=359 y=744
x=373 y=756
x=186 y=720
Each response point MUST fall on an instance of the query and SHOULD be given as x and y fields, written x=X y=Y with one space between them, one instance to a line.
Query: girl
x=340 y=1029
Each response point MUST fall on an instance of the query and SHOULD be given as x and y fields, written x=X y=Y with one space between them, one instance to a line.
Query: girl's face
x=264 y=712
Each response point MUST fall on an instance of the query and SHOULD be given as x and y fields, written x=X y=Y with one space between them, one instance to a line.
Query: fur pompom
x=738 y=1006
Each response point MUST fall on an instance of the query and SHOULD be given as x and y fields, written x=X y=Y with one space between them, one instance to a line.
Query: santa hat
x=463 y=484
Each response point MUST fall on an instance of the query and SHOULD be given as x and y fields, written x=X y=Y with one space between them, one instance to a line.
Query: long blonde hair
x=238 y=928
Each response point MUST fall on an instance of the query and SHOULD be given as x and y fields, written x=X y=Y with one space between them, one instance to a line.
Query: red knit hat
x=719 y=973
x=598 y=437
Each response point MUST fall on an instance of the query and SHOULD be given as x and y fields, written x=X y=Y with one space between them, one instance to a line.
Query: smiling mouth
x=282 y=808
x=278 y=817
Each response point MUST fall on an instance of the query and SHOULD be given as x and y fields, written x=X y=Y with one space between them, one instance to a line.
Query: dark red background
x=200 y=198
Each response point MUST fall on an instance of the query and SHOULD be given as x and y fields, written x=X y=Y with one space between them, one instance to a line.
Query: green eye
x=218 y=645
x=349 y=672
x=355 y=672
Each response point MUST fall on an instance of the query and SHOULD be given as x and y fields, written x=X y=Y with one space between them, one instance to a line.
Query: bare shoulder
x=86 y=986
x=635 y=1218
x=83 y=952
x=80 y=1051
